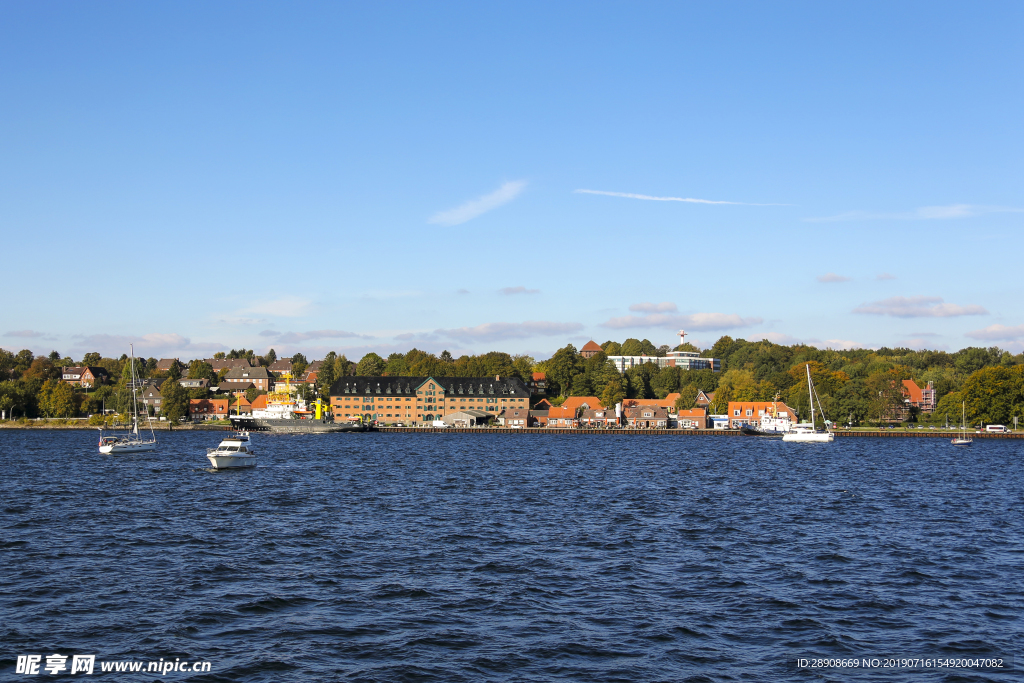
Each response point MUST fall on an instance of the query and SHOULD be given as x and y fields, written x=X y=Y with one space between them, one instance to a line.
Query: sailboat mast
x=810 y=392
x=135 y=399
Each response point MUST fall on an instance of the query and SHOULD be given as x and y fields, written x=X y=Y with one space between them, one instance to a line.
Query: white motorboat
x=234 y=451
x=133 y=441
x=806 y=432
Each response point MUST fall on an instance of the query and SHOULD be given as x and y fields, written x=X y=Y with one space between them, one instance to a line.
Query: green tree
x=91 y=359
x=613 y=392
x=199 y=369
x=371 y=365
x=631 y=347
x=174 y=374
x=251 y=393
x=325 y=376
x=299 y=364
x=565 y=364
x=612 y=348
x=174 y=400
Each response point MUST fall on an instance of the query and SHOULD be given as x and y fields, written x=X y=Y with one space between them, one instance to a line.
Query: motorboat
x=234 y=451
x=806 y=432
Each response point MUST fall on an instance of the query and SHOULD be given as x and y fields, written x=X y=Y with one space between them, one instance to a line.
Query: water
x=430 y=557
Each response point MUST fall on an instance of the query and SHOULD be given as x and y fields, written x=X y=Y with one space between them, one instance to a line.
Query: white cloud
x=999 y=333
x=481 y=205
x=832 y=277
x=918 y=307
x=787 y=340
x=650 y=198
x=499 y=331
x=919 y=343
x=517 y=290
x=922 y=213
x=285 y=307
x=694 y=321
x=295 y=337
x=885 y=276
x=646 y=307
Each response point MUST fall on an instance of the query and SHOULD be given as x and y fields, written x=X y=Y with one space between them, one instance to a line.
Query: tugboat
x=771 y=423
x=234 y=451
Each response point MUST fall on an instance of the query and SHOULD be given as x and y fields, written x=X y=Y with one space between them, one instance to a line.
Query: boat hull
x=282 y=426
x=116 y=448
x=227 y=462
x=812 y=437
x=747 y=430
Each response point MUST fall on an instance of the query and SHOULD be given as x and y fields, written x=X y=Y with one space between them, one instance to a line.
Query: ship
x=286 y=413
x=771 y=424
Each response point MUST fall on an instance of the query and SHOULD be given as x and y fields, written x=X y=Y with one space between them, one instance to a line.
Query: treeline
x=857 y=386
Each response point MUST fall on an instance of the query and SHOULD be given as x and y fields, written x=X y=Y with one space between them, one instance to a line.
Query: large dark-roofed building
x=414 y=400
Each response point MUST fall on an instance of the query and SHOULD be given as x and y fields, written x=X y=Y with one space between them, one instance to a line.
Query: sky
x=191 y=177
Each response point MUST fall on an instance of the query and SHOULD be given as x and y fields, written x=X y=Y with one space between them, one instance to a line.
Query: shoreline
x=882 y=434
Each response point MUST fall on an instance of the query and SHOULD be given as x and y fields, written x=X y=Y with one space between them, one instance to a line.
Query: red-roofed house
x=208 y=408
x=749 y=412
x=538 y=383
x=591 y=348
x=582 y=402
x=916 y=397
x=695 y=418
x=562 y=417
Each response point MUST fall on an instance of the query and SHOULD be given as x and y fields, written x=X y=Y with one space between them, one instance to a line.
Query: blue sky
x=474 y=176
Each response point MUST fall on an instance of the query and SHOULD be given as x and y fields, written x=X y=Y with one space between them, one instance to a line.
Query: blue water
x=448 y=557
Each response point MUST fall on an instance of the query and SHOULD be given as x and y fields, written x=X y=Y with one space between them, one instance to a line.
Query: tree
x=299 y=364
x=562 y=367
x=174 y=400
x=251 y=393
x=305 y=392
x=91 y=358
x=219 y=355
x=371 y=365
x=612 y=348
x=325 y=376
x=174 y=374
x=613 y=392
x=42 y=368
x=199 y=369
x=632 y=347
x=271 y=357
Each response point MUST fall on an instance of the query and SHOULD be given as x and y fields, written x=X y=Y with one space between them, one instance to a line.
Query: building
x=591 y=348
x=415 y=400
x=219 y=364
x=916 y=397
x=538 y=418
x=646 y=417
x=518 y=416
x=84 y=376
x=151 y=396
x=281 y=366
x=704 y=399
x=165 y=364
x=194 y=383
x=467 y=418
x=594 y=418
x=668 y=403
x=208 y=408
x=242 y=406
x=695 y=418
x=688 y=360
x=562 y=417
x=581 y=403
x=751 y=412
x=538 y=383
x=259 y=377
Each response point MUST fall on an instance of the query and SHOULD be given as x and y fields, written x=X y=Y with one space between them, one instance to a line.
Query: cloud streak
x=832 y=277
x=156 y=344
x=647 y=307
x=918 y=307
x=479 y=206
x=296 y=337
x=517 y=290
x=25 y=334
x=694 y=321
x=651 y=198
x=500 y=331
x=923 y=213
x=999 y=333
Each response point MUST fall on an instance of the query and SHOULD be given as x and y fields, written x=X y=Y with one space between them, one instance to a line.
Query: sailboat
x=963 y=439
x=805 y=432
x=133 y=441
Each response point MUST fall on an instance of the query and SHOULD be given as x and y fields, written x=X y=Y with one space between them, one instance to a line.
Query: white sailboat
x=963 y=439
x=133 y=441
x=805 y=432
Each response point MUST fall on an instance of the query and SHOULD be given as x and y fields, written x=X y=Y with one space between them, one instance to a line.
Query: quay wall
x=883 y=433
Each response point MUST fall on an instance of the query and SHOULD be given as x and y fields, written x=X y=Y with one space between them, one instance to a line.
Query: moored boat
x=806 y=432
x=963 y=439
